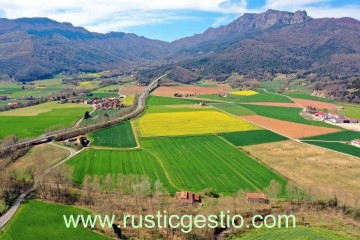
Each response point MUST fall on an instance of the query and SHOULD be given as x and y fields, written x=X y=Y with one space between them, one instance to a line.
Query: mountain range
x=253 y=44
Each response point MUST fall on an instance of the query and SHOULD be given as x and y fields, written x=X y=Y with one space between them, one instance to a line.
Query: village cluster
x=106 y=103
x=333 y=118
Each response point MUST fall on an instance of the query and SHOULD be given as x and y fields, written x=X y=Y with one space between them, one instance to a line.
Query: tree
x=293 y=191
x=273 y=190
x=87 y=115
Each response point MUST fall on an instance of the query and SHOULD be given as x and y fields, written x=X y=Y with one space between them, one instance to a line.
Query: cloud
x=117 y=15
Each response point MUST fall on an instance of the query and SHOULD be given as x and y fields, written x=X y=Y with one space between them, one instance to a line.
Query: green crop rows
x=120 y=136
x=103 y=162
x=196 y=163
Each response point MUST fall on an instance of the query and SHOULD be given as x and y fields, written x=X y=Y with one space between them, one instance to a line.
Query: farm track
x=4 y=219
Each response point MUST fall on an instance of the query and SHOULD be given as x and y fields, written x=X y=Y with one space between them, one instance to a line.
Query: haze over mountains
x=253 y=44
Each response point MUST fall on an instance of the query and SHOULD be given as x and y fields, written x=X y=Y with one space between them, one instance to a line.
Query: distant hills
x=328 y=49
x=32 y=48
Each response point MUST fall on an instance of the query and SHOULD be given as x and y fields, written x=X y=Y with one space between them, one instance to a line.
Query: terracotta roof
x=255 y=195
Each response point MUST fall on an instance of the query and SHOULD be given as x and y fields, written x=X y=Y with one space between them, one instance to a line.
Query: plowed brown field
x=289 y=129
x=316 y=104
x=275 y=104
x=191 y=90
x=131 y=90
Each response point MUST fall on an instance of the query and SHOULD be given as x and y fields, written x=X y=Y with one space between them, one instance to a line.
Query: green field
x=39 y=220
x=264 y=97
x=298 y=233
x=36 y=120
x=309 y=97
x=176 y=108
x=196 y=163
x=216 y=97
x=40 y=88
x=350 y=111
x=272 y=86
x=104 y=92
x=233 y=108
x=119 y=136
x=339 y=136
x=155 y=100
x=117 y=163
x=252 y=137
x=285 y=114
x=340 y=147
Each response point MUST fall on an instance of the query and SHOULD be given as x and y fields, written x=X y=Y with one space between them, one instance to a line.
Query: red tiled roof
x=255 y=195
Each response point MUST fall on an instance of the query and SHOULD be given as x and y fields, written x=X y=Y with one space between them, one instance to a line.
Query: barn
x=185 y=198
x=256 y=198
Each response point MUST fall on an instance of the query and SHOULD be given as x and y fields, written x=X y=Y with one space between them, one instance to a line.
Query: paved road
x=8 y=215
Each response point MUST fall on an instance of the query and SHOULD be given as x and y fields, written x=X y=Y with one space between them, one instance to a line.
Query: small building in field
x=321 y=115
x=355 y=142
x=202 y=104
x=343 y=120
x=185 y=198
x=336 y=115
x=14 y=104
x=340 y=108
x=256 y=198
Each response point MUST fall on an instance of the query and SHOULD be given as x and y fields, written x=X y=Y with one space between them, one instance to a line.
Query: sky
x=166 y=20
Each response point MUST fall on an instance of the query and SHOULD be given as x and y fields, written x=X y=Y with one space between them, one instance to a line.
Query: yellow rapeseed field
x=84 y=83
x=245 y=93
x=129 y=100
x=189 y=123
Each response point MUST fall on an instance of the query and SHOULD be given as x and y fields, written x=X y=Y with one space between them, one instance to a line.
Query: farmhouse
x=202 y=104
x=343 y=120
x=14 y=104
x=335 y=115
x=185 y=198
x=321 y=115
x=256 y=198
x=355 y=142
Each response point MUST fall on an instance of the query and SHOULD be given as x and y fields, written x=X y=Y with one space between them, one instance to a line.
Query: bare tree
x=273 y=190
